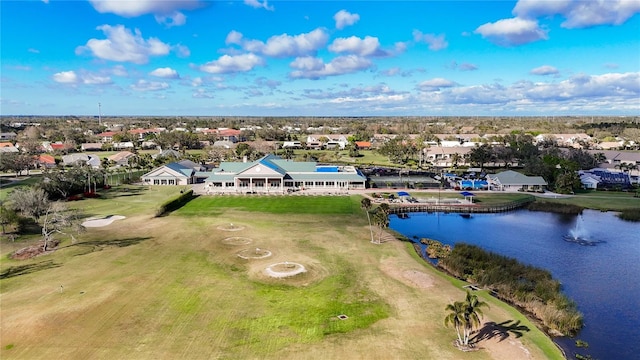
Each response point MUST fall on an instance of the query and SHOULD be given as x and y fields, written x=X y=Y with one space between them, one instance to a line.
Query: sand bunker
x=100 y=222
x=237 y=240
x=284 y=269
x=230 y=227
x=257 y=253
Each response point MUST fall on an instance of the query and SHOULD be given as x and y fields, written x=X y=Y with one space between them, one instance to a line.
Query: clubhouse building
x=267 y=175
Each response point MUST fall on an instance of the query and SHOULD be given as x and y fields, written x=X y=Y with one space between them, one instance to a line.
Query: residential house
x=605 y=179
x=333 y=140
x=7 y=136
x=91 y=146
x=46 y=161
x=514 y=181
x=565 y=140
x=123 y=145
x=292 y=145
x=589 y=181
x=121 y=158
x=7 y=147
x=81 y=159
x=442 y=156
x=107 y=136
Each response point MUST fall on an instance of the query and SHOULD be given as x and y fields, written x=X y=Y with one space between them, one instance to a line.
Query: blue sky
x=324 y=58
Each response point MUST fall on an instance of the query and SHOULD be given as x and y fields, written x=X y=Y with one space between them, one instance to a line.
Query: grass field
x=602 y=200
x=173 y=287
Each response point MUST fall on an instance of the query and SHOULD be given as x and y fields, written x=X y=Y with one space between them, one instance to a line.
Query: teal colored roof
x=511 y=177
x=297 y=171
x=296 y=166
x=180 y=168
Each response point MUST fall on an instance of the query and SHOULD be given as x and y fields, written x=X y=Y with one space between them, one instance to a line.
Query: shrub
x=630 y=215
x=175 y=203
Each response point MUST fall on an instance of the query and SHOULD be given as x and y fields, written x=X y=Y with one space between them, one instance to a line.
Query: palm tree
x=381 y=219
x=465 y=315
x=365 y=204
x=456 y=318
x=473 y=314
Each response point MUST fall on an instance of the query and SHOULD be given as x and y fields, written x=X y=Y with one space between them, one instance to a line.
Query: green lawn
x=321 y=205
x=170 y=287
x=601 y=200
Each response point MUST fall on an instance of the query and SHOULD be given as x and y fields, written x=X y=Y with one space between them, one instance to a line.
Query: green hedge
x=175 y=203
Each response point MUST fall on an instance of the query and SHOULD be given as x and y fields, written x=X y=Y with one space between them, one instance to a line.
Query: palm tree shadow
x=501 y=331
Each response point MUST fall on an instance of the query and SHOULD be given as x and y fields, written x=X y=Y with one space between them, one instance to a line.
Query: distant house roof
x=363 y=144
x=91 y=146
x=123 y=155
x=108 y=133
x=46 y=159
x=170 y=153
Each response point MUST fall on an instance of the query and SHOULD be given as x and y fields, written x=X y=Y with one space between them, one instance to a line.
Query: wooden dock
x=458 y=208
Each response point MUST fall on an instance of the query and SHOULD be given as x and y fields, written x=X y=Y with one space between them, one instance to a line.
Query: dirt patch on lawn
x=410 y=277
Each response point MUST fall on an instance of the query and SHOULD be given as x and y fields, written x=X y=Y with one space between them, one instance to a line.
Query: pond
x=596 y=257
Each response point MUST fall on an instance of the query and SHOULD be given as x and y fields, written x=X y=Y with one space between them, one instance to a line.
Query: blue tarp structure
x=467 y=196
x=403 y=193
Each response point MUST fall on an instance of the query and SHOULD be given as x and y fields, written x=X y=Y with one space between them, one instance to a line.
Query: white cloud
x=124 y=46
x=436 y=42
x=314 y=68
x=369 y=46
x=467 y=67
x=167 y=73
x=435 y=84
x=174 y=19
x=166 y=11
x=263 y=81
x=182 y=51
x=544 y=70
x=284 y=45
x=612 y=91
x=580 y=13
x=119 y=70
x=231 y=64
x=93 y=79
x=234 y=37
x=87 y=78
x=202 y=94
x=344 y=18
x=512 y=32
x=144 y=85
x=256 y=4
x=66 y=77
